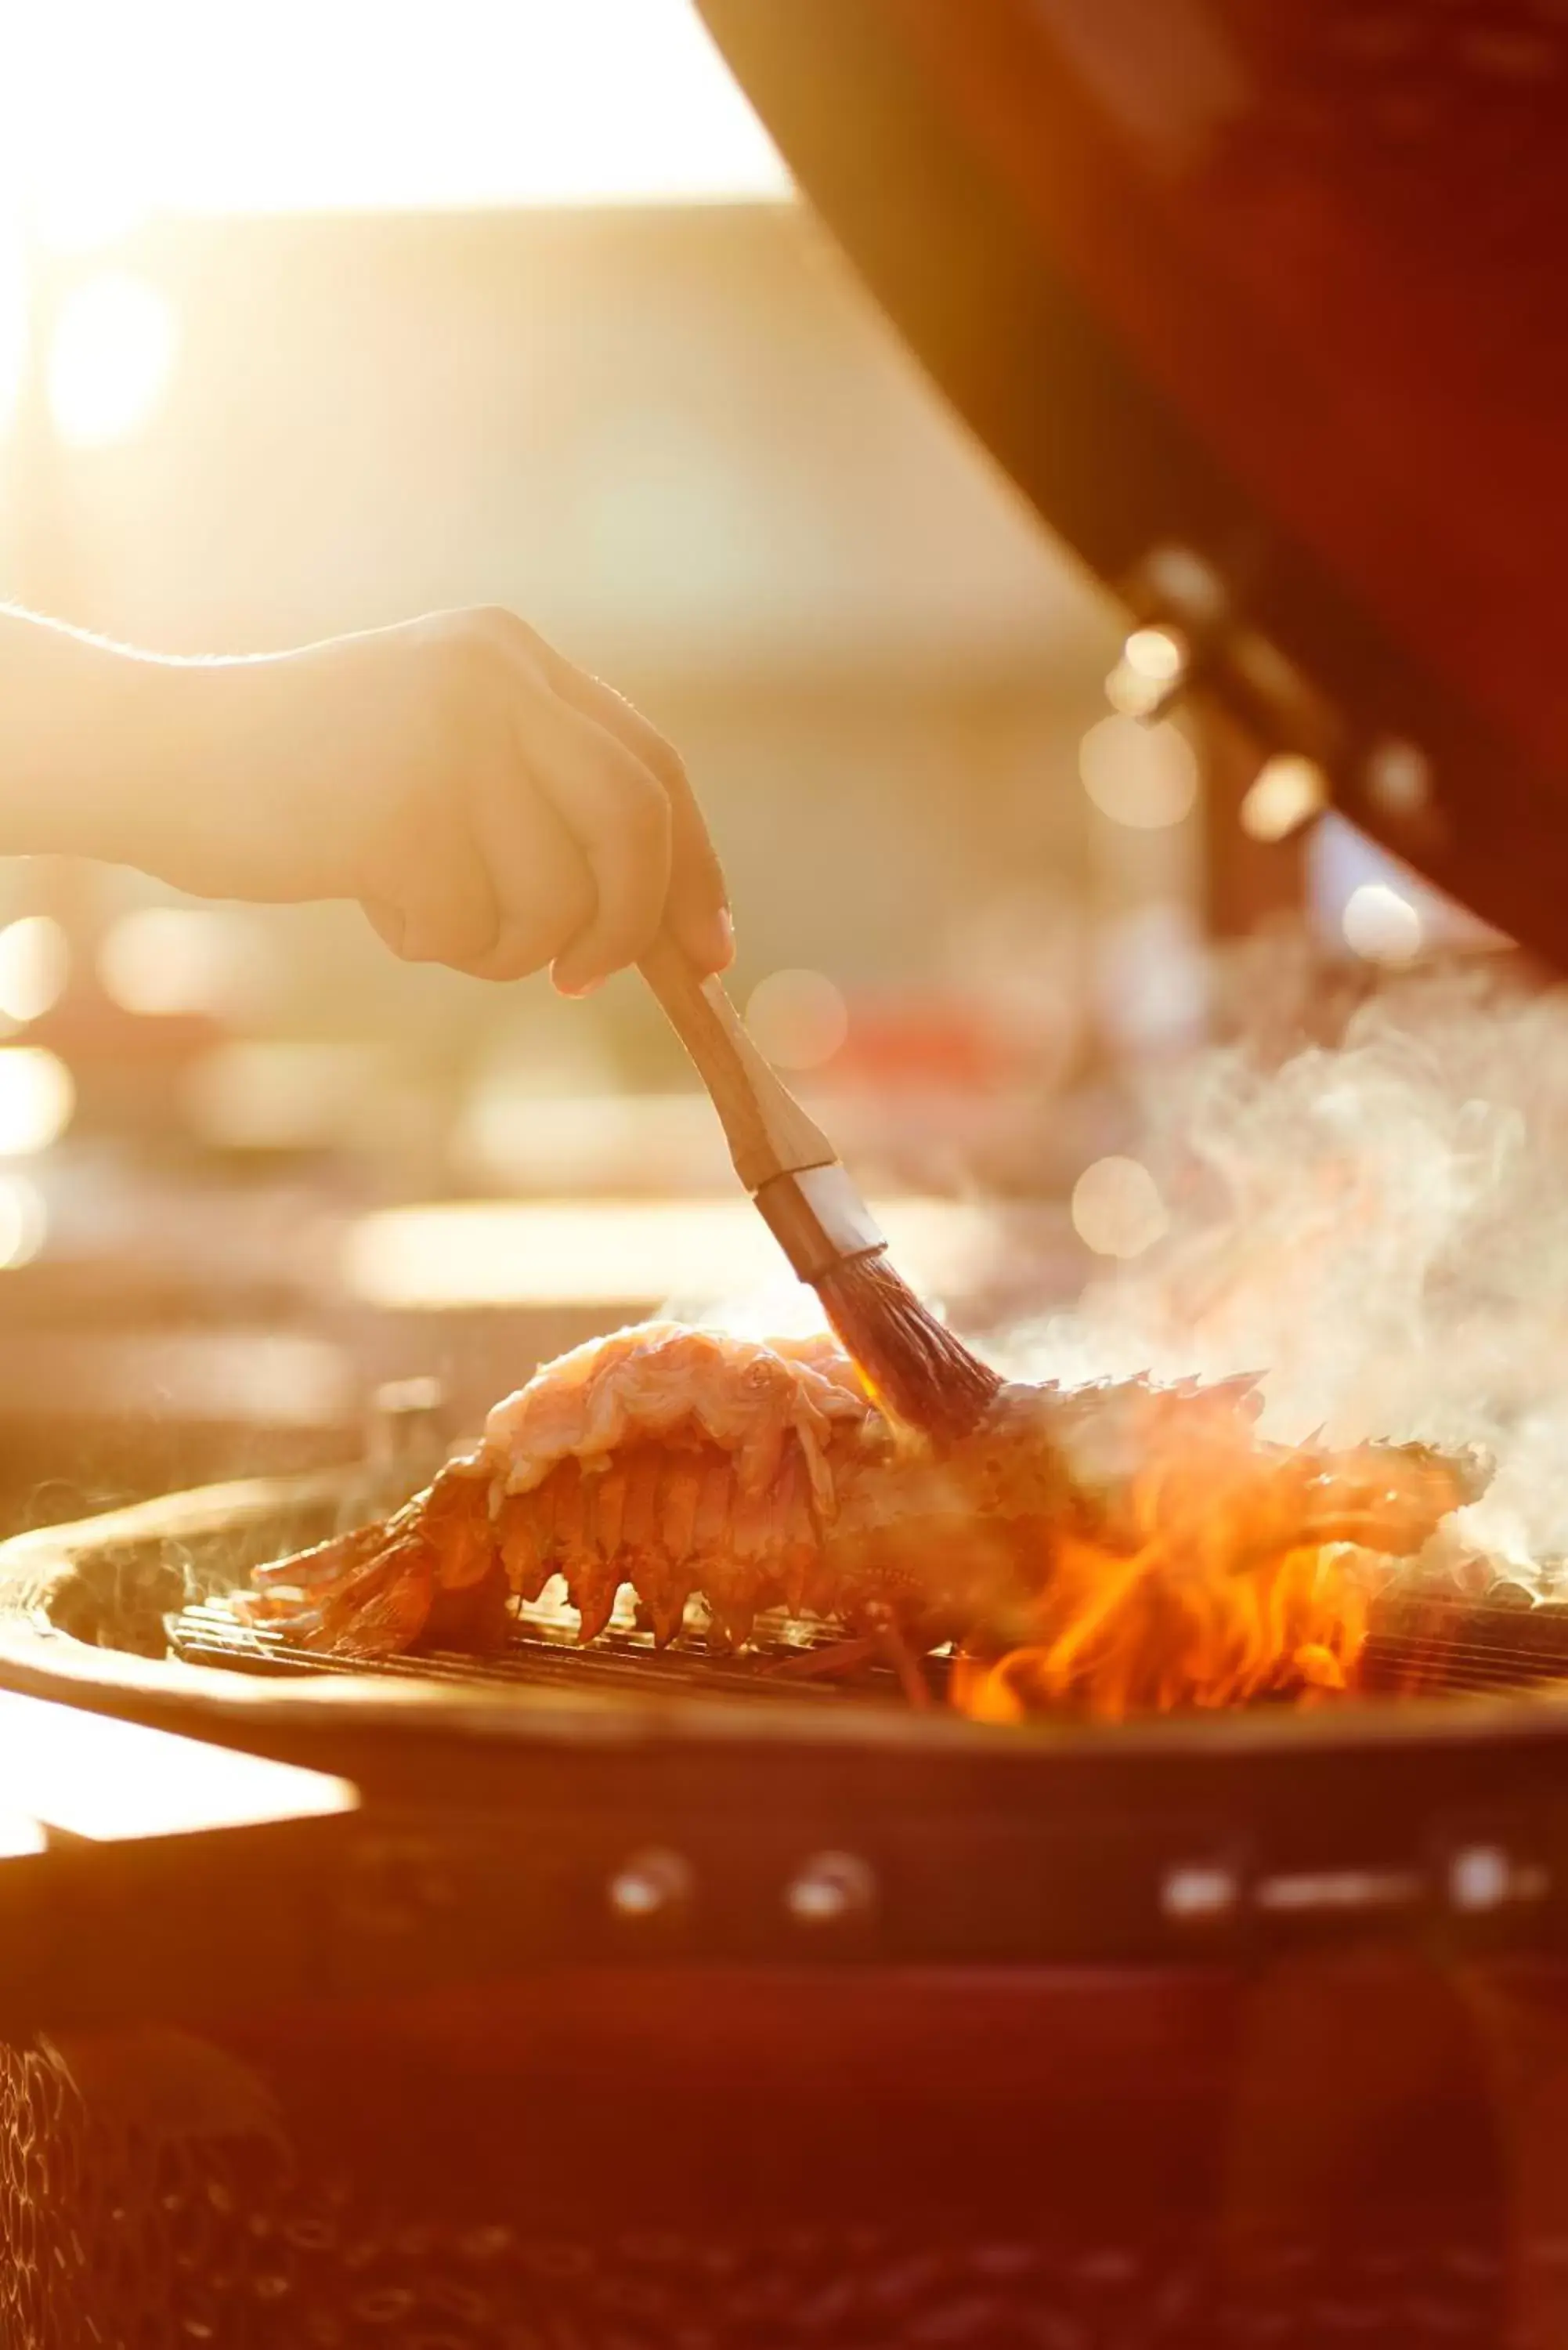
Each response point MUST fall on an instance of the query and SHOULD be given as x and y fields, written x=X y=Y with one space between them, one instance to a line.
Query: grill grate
x=544 y=1653
x=1417 y=1646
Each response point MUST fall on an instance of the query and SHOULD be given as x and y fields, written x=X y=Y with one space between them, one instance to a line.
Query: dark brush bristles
x=914 y=1368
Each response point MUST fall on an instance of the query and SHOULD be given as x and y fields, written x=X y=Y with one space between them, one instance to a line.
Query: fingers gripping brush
x=917 y=1369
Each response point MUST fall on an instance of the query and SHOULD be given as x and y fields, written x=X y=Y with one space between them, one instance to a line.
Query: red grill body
x=1360 y=2148
x=1248 y=2028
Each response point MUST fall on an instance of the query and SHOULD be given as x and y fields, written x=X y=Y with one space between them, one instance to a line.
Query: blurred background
x=321 y=315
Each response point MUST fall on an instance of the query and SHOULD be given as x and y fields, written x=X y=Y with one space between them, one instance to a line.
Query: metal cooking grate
x=1417 y=1646
x=544 y=1653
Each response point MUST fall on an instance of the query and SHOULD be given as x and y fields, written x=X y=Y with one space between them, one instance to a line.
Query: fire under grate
x=1417 y=1646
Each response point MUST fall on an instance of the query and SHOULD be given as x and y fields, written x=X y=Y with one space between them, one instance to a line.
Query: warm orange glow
x=1146 y=1635
x=1231 y=1584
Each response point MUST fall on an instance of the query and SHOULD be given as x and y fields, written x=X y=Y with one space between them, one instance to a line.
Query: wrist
x=144 y=759
x=95 y=742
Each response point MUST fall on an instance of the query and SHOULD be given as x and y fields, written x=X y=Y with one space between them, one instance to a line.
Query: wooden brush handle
x=768 y=1132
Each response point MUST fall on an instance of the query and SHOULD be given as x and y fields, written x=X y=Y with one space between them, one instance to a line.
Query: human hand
x=491 y=805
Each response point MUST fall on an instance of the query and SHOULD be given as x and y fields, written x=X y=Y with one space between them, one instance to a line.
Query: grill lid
x=1256 y=301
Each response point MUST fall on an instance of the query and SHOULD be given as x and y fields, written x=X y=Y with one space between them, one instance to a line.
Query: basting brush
x=913 y=1365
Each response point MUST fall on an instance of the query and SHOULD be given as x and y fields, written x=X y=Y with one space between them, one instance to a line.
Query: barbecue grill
x=646 y=2000
x=608 y=2000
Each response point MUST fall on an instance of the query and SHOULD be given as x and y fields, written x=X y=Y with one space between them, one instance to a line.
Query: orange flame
x=1135 y=1636
x=1228 y=1597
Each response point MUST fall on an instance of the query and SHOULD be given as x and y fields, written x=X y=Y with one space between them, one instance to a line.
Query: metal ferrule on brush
x=818 y=1219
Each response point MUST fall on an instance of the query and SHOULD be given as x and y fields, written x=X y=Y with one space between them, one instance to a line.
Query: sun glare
x=107 y=1780
x=12 y=312
x=176 y=106
x=112 y=355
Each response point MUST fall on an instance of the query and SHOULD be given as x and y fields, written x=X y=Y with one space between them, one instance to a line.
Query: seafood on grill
x=750 y=1477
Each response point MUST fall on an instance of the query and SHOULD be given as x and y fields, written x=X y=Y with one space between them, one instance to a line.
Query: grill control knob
x=832 y=1889
x=654 y=1883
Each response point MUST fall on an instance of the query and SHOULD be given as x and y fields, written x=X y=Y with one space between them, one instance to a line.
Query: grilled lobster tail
x=748 y=1477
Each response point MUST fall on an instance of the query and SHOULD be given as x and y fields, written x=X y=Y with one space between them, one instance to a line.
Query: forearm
x=92 y=737
x=488 y=803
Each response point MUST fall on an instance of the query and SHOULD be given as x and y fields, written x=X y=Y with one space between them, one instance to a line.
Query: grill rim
x=39 y=1659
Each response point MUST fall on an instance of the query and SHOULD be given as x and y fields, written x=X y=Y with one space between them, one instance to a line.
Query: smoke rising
x=1378 y=1227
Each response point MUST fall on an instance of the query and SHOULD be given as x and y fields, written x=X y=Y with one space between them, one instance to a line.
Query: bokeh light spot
x=1284 y=794
x=1143 y=777
x=37 y=1100
x=35 y=964
x=22 y=1220
x=1117 y=1208
x=1381 y=926
x=168 y=959
x=1157 y=654
x=798 y=1018
x=1148 y=673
